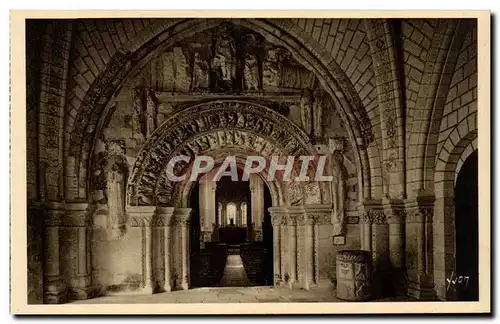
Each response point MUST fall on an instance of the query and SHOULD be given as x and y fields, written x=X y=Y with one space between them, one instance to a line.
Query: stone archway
x=224 y=127
x=206 y=128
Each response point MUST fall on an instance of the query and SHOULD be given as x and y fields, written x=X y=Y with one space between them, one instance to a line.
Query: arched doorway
x=466 y=227
x=239 y=251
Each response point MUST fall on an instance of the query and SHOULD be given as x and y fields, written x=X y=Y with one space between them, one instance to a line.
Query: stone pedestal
x=54 y=287
x=354 y=275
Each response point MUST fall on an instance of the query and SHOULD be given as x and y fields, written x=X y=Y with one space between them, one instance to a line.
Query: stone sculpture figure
x=116 y=198
x=136 y=116
x=224 y=58
x=150 y=115
x=270 y=68
x=306 y=111
x=251 y=72
x=317 y=117
x=200 y=73
x=338 y=190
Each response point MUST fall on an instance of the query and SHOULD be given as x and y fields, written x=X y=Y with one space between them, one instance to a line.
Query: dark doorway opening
x=466 y=229
x=233 y=257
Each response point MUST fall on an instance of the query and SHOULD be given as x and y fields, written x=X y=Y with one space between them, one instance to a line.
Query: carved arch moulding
x=217 y=126
x=95 y=107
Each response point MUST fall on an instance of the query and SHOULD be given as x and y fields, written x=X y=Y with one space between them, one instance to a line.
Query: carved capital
x=182 y=216
x=139 y=216
x=379 y=217
x=54 y=214
x=78 y=215
x=164 y=216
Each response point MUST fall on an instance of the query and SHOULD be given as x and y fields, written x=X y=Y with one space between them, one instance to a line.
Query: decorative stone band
x=382 y=212
x=157 y=216
x=301 y=215
x=354 y=256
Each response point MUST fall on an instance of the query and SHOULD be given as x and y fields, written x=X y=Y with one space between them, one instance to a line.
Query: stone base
x=55 y=293
x=78 y=293
x=420 y=292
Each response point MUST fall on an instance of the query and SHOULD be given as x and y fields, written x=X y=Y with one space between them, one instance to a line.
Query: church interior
x=391 y=103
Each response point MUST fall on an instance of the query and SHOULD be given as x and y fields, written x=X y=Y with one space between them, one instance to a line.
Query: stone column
x=257 y=197
x=163 y=224
x=419 y=258
x=78 y=217
x=54 y=287
x=380 y=252
x=395 y=219
x=223 y=216
x=305 y=247
x=317 y=215
x=277 y=213
x=292 y=249
x=182 y=219
x=207 y=209
x=143 y=216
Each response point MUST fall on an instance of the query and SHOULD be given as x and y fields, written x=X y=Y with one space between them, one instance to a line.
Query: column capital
x=319 y=214
x=277 y=214
x=54 y=213
x=182 y=216
x=420 y=209
x=139 y=216
x=78 y=214
x=163 y=216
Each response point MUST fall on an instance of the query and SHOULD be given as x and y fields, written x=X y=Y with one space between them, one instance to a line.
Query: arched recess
x=432 y=94
x=444 y=249
x=95 y=109
x=218 y=129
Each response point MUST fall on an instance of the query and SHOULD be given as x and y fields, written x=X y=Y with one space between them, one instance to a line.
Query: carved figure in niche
x=200 y=73
x=136 y=116
x=306 y=102
x=251 y=72
x=317 y=117
x=270 y=68
x=150 y=114
x=224 y=61
x=116 y=178
x=338 y=190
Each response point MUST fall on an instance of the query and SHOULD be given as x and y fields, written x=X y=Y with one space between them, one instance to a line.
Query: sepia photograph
x=194 y=163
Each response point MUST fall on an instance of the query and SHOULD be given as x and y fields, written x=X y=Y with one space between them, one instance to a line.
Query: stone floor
x=233 y=288
x=234 y=273
x=262 y=294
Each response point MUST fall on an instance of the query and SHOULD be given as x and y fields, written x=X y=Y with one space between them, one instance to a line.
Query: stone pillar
x=164 y=247
x=143 y=217
x=292 y=250
x=182 y=219
x=78 y=217
x=380 y=253
x=419 y=258
x=277 y=214
x=223 y=216
x=366 y=228
x=257 y=203
x=395 y=219
x=207 y=209
x=54 y=287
